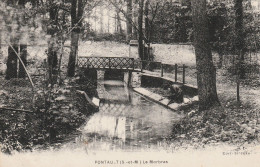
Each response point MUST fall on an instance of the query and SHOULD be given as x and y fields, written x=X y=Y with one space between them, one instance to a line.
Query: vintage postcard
x=129 y=83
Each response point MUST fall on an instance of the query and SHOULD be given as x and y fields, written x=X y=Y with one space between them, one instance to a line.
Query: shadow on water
x=126 y=121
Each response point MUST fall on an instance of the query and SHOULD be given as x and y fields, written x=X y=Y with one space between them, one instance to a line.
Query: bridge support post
x=128 y=78
x=100 y=85
x=100 y=75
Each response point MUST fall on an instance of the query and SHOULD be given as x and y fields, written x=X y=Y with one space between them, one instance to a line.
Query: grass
x=236 y=124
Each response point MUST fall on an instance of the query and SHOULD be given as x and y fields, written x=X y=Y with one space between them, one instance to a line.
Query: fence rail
x=162 y=68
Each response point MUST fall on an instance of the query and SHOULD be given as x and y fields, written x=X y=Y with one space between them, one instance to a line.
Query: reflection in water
x=126 y=121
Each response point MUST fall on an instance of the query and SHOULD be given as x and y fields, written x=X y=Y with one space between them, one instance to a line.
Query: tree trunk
x=52 y=62
x=220 y=55
x=140 y=28
x=147 y=28
x=12 y=61
x=101 y=20
x=0 y=38
x=135 y=33
x=128 y=23
x=73 y=53
x=119 y=25
x=11 y=71
x=95 y=19
x=76 y=22
x=147 y=31
x=240 y=37
x=108 y=22
x=52 y=47
x=23 y=54
x=80 y=13
x=116 y=30
x=206 y=73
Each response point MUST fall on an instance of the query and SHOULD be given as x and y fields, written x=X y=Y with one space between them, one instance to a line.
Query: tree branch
x=21 y=61
x=128 y=19
x=13 y=109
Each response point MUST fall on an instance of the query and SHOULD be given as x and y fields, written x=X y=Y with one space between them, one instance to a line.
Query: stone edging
x=157 y=98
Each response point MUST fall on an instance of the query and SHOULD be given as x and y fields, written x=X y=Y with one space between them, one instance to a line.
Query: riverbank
x=231 y=124
x=42 y=119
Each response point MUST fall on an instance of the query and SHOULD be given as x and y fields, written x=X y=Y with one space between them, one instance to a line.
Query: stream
x=125 y=121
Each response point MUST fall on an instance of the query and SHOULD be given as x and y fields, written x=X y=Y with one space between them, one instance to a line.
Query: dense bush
x=173 y=24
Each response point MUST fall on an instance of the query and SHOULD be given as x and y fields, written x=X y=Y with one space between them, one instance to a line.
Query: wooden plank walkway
x=157 y=75
x=164 y=101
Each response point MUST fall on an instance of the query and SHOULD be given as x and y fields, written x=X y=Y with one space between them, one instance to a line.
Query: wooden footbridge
x=129 y=65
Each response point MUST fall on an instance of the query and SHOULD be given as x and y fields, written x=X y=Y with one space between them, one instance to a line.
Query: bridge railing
x=179 y=72
x=107 y=63
x=168 y=70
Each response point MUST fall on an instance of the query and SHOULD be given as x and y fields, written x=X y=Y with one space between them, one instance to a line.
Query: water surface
x=125 y=121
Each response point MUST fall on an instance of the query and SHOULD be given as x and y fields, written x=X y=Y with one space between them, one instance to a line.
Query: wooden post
x=176 y=72
x=133 y=64
x=161 y=69
x=129 y=78
x=183 y=74
x=141 y=66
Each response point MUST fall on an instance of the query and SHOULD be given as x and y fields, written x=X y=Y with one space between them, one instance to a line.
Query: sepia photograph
x=129 y=83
